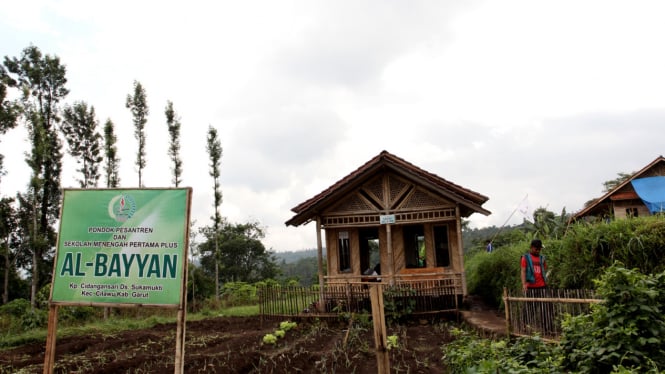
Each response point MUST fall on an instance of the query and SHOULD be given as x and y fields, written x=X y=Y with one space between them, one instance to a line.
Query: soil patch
x=235 y=345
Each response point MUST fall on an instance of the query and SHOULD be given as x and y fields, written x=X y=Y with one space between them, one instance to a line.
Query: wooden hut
x=394 y=218
x=624 y=200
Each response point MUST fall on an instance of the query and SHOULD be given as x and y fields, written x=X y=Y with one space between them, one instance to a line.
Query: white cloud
x=503 y=97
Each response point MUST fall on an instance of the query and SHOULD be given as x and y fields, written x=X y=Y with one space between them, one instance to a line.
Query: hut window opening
x=370 y=258
x=414 y=246
x=344 y=251
x=441 y=245
x=631 y=212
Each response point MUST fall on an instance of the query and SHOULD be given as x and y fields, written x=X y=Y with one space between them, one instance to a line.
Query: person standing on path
x=538 y=314
x=534 y=267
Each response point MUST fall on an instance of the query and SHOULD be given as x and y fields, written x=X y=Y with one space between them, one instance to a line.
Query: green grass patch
x=240 y=311
x=117 y=324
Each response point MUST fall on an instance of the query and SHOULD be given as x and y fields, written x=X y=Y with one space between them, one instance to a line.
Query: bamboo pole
x=506 y=305
x=319 y=253
x=380 y=341
x=391 y=259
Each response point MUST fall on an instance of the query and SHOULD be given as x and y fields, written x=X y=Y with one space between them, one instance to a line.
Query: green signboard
x=121 y=246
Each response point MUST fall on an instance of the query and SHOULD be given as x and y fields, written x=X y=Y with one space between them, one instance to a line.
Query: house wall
x=398 y=249
x=456 y=260
x=621 y=206
x=332 y=255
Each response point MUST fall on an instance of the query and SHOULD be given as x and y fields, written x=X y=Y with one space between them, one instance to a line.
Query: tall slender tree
x=138 y=105
x=214 y=148
x=111 y=168
x=173 y=124
x=8 y=112
x=8 y=223
x=80 y=130
x=41 y=79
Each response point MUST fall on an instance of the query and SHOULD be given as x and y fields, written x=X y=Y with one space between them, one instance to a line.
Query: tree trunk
x=35 y=279
x=5 y=285
x=35 y=273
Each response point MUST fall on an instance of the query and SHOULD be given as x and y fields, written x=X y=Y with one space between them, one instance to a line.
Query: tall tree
x=138 y=105
x=214 y=148
x=8 y=224
x=8 y=112
x=80 y=130
x=243 y=256
x=111 y=155
x=173 y=123
x=41 y=79
x=611 y=184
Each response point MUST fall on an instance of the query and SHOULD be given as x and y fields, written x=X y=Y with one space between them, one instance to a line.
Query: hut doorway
x=370 y=257
x=414 y=246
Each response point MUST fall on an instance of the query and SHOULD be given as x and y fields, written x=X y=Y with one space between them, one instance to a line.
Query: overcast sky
x=506 y=98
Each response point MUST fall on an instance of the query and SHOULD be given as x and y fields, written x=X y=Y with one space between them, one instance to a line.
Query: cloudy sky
x=507 y=98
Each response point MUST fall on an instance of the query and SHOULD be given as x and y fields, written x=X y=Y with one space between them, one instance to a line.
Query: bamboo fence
x=432 y=296
x=540 y=311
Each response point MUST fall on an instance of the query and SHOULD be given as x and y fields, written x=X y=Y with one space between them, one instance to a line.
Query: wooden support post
x=506 y=305
x=391 y=259
x=180 y=342
x=49 y=355
x=460 y=249
x=319 y=261
x=380 y=341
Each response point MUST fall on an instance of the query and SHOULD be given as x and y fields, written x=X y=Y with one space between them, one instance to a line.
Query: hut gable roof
x=625 y=190
x=387 y=163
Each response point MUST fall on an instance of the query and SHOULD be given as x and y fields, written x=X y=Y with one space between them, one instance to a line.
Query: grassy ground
x=125 y=320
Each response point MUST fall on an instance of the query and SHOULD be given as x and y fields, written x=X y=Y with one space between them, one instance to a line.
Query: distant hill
x=293 y=256
x=301 y=265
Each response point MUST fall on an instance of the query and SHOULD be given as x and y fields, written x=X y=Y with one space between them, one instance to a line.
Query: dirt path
x=234 y=345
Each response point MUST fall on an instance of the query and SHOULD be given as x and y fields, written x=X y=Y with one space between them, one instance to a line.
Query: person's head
x=536 y=246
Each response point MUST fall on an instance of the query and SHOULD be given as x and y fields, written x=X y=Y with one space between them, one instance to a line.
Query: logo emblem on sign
x=122 y=207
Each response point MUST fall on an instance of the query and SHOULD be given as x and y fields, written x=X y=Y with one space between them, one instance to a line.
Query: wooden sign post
x=121 y=248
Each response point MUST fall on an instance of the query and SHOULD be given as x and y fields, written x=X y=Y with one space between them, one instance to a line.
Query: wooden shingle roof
x=468 y=200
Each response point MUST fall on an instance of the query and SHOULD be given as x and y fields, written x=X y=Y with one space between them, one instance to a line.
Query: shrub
x=469 y=353
x=78 y=314
x=627 y=330
x=239 y=293
x=590 y=248
x=398 y=302
x=16 y=308
x=33 y=319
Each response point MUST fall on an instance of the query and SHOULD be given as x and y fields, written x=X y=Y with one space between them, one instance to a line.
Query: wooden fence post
x=380 y=341
x=506 y=305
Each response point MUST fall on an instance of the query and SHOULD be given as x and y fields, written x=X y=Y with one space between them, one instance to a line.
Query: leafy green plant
x=392 y=342
x=16 y=307
x=623 y=334
x=287 y=325
x=269 y=339
x=398 y=302
x=469 y=353
x=628 y=329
